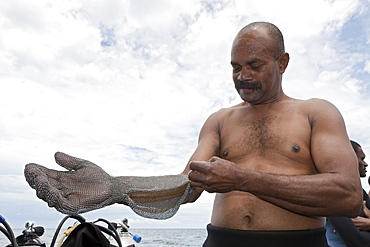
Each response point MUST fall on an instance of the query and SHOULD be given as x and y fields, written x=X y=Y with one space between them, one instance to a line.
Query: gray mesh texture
x=85 y=187
x=157 y=197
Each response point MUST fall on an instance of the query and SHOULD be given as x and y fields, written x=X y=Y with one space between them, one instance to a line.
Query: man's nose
x=245 y=75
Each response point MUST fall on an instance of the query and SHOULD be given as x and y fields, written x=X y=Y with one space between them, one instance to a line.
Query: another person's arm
x=363 y=222
x=351 y=236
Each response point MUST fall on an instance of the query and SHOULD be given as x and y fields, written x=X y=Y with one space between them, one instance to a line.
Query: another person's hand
x=363 y=223
x=84 y=187
x=216 y=175
x=366 y=210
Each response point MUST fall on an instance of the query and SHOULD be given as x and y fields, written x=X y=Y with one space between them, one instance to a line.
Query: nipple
x=296 y=148
x=225 y=153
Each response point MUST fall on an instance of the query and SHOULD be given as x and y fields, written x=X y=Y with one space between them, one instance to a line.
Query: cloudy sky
x=128 y=84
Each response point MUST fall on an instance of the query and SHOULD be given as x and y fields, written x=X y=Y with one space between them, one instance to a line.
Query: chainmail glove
x=85 y=187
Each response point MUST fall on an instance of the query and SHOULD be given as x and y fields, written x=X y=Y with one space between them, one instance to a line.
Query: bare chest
x=282 y=136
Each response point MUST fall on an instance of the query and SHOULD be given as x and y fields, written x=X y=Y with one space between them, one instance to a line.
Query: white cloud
x=367 y=67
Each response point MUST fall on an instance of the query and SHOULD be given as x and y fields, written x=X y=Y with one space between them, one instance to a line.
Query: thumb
x=69 y=162
x=366 y=210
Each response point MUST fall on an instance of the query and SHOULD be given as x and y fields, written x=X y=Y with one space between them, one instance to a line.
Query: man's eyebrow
x=255 y=60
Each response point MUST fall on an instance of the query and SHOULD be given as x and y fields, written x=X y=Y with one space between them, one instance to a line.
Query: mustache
x=248 y=85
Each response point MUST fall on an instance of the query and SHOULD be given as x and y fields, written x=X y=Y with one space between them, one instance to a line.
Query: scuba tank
x=127 y=238
x=84 y=233
x=30 y=236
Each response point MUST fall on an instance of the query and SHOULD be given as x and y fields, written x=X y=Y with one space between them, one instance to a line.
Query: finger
x=69 y=162
x=41 y=179
x=33 y=172
x=202 y=186
x=196 y=185
x=48 y=188
x=57 y=198
x=195 y=176
x=214 y=158
x=200 y=166
x=355 y=221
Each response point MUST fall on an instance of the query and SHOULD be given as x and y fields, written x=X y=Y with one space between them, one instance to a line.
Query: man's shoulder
x=321 y=110
x=224 y=113
x=308 y=101
x=314 y=104
x=316 y=101
x=319 y=104
x=230 y=109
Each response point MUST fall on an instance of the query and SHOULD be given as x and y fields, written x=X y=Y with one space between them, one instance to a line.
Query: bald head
x=355 y=146
x=266 y=30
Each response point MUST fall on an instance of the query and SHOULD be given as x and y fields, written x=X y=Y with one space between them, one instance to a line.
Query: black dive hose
x=110 y=230
x=8 y=232
x=3 y=230
x=77 y=217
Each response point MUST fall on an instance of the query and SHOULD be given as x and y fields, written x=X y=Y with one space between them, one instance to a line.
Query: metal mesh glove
x=85 y=187
x=157 y=197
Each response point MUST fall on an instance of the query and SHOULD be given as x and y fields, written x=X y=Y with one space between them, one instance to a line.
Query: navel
x=296 y=148
x=248 y=219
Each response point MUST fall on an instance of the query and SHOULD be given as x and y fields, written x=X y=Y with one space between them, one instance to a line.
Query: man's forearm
x=327 y=194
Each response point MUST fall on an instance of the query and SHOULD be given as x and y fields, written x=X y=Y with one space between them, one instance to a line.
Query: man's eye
x=236 y=69
x=256 y=66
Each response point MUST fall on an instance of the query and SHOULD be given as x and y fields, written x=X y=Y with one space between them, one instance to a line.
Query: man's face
x=361 y=162
x=255 y=70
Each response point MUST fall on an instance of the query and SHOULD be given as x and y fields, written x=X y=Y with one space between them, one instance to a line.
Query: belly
x=244 y=211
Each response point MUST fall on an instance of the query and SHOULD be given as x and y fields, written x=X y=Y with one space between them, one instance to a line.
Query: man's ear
x=283 y=61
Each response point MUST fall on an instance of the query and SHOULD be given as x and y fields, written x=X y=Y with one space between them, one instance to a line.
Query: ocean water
x=150 y=237
x=172 y=237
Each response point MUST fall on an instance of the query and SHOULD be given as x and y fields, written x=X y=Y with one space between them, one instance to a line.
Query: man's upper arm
x=330 y=147
x=208 y=142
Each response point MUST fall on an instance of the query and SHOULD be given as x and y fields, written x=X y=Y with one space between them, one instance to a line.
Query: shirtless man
x=278 y=165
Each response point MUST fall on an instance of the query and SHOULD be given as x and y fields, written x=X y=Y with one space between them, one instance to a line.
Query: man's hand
x=84 y=187
x=216 y=175
x=363 y=223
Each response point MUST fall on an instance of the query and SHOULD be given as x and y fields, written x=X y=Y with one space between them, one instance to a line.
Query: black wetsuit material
x=224 y=237
x=349 y=233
